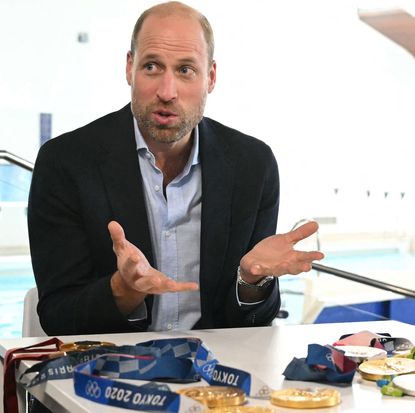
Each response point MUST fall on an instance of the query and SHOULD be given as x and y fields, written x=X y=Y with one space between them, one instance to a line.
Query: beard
x=186 y=121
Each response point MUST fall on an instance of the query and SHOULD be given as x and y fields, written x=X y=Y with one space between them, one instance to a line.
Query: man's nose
x=167 y=88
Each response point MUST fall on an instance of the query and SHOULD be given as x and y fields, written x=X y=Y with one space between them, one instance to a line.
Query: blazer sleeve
x=265 y=223
x=74 y=293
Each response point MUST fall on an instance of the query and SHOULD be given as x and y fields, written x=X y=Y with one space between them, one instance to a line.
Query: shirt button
x=157 y=188
x=167 y=234
x=169 y=326
x=148 y=156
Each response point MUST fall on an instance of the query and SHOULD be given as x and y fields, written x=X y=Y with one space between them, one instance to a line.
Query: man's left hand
x=276 y=255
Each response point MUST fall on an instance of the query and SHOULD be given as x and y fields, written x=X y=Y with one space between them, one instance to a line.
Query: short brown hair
x=175 y=7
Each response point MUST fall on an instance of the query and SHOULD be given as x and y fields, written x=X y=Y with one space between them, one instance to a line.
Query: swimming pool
x=363 y=263
x=16 y=278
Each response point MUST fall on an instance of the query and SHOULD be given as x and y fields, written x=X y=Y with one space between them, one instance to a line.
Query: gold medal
x=305 y=398
x=82 y=345
x=242 y=409
x=380 y=369
x=215 y=396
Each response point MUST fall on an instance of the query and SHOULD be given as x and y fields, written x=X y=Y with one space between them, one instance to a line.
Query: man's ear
x=212 y=77
x=129 y=68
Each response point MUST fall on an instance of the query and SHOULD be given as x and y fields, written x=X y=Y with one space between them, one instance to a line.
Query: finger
x=303 y=262
x=302 y=232
x=309 y=256
x=299 y=267
x=117 y=235
x=160 y=284
x=169 y=285
x=298 y=261
x=306 y=267
x=183 y=286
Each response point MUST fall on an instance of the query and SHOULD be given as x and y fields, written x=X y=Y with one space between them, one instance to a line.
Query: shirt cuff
x=242 y=303
x=139 y=313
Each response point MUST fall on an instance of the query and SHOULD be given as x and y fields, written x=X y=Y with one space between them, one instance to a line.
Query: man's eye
x=150 y=67
x=186 y=70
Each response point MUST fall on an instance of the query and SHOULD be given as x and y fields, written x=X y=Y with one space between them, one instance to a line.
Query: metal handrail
x=364 y=280
x=352 y=276
x=304 y=221
x=16 y=160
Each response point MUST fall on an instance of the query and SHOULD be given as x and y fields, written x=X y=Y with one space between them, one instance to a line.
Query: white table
x=264 y=351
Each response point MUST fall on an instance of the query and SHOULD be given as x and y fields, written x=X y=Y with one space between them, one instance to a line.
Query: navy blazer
x=85 y=178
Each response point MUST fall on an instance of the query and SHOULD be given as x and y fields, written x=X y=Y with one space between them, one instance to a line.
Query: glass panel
x=385 y=256
x=16 y=278
x=14 y=182
x=16 y=275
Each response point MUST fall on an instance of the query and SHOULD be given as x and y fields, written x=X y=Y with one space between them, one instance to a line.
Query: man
x=198 y=203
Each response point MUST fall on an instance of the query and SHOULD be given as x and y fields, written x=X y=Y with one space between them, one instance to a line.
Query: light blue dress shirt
x=174 y=223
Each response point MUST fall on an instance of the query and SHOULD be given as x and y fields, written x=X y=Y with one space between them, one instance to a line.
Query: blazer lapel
x=217 y=183
x=122 y=178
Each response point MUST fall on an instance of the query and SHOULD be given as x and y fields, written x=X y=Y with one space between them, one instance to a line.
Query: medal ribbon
x=178 y=360
x=128 y=396
x=12 y=359
x=391 y=344
x=322 y=364
x=208 y=367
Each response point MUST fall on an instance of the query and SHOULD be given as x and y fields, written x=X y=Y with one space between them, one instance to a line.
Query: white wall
x=333 y=97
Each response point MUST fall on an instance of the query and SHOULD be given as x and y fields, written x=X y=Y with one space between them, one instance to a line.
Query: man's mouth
x=164 y=117
x=165 y=113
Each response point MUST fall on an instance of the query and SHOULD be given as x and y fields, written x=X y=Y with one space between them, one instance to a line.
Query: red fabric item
x=11 y=362
x=363 y=338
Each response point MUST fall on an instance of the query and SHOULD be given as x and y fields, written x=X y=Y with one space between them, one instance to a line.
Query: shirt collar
x=194 y=154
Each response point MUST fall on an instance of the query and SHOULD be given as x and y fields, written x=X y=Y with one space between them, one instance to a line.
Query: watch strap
x=261 y=284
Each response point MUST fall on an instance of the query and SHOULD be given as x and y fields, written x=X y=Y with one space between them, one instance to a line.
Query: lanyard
x=97 y=373
x=12 y=359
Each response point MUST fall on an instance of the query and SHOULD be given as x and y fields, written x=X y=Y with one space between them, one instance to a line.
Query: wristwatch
x=261 y=284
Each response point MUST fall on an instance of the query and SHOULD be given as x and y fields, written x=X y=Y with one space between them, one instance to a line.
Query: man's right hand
x=135 y=277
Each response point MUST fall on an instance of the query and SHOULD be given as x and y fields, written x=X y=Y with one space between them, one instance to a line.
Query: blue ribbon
x=178 y=360
x=120 y=394
x=320 y=366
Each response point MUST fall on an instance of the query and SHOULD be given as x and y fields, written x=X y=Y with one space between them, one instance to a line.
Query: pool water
x=362 y=263
x=16 y=278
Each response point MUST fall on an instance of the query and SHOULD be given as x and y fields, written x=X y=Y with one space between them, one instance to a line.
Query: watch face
x=265 y=281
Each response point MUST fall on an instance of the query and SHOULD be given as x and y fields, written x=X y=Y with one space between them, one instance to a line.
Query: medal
x=305 y=398
x=82 y=346
x=362 y=353
x=215 y=396
x=406 y=383
x=243 y=409
x=380 y=369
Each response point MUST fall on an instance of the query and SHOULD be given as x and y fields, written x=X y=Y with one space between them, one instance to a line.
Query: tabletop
x=263 y=351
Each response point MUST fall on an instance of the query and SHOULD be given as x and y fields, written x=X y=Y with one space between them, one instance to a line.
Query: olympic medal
x=380 y=369
x=215 y=396
x=362 y=353
x=307 y=398
x=406 y=383
x=242 y=409
x=82 y=345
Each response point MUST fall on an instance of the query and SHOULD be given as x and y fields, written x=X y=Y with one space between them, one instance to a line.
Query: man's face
x=169 y=77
